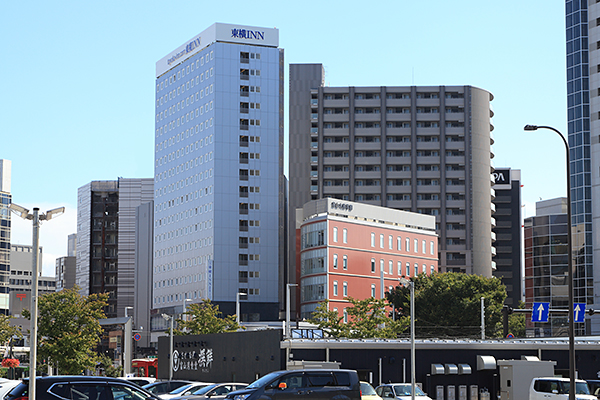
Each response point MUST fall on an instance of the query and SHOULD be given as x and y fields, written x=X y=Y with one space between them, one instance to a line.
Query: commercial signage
x=193 y=360
x=229 y=33
x=501 y=176
x=341 y=206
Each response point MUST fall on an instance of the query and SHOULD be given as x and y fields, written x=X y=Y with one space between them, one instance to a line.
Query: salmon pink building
x=358 y=250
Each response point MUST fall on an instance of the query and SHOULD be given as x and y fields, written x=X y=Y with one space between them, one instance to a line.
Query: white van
x=558 y=389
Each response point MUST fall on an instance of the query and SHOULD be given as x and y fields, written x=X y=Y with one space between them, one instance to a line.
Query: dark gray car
x=157 y=388
x=308 y=384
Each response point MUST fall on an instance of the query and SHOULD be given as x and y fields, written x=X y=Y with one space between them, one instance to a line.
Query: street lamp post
x=237 y=306
x=287 y=310
x=168 y=317
x=127 y=344
x=570 y=261
x=411 y=286
x=36 y=217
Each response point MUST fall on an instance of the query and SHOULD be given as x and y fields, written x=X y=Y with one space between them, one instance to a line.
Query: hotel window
x=372 y=265
x=335 y=234
x=432 y=269
x=407 y=269
x=416 y=245
x=399 y=243
x=424 y=247
x=345 y=262
x=345 y=289
x=372 y=239
x=381 y=265
x=416 y=270
x=407 y=244
x=335 y=261
x=381 y=240
x=399 y=268
x=345 y=316
x=391 y=267
x=424 y=268
x=373 y=291
x=335 y=288
x=431 y=248
x=345 y=235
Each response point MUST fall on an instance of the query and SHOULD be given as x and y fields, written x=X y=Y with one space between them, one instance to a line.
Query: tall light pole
x=168 y=317
x=36 y=217
x=237 y=306
x=127 y=344
x=183 y=317
x=411 y=286
x=570 y=261
x=288 y=334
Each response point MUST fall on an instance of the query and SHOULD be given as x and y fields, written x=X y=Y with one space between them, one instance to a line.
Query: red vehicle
x=146 y=367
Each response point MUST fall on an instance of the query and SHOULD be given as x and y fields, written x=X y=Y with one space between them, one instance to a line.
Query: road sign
x=578 y=312
x=540 y=312
x=137 y=337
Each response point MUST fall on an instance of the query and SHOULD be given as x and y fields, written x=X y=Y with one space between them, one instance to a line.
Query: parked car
x=6 y=385
x=157 y=388
x=367 y=392
x=184 y=390
x=322 y=384
x=140 y=380
x=552 y=388
x=213 y=392
x=401 y=391
x=80 y=387
x=594 y=386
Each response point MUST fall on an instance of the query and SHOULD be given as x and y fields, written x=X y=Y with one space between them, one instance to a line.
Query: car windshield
x=261 y=381
x=404 y=390
x=204 y=389
x=181 y=389
x=367 y=390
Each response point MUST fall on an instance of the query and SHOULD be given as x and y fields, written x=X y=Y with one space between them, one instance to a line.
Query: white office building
x=218 y=213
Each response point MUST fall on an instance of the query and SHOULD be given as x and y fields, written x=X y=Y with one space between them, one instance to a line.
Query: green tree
x=108 y=368
x=366 y=319
x=69 y=329
x=449 y=304
x=7 y=331
x=516 y=324
x=205 y=318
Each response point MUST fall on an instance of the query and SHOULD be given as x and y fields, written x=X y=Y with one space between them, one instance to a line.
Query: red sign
x=21 y=296
x=137 y=337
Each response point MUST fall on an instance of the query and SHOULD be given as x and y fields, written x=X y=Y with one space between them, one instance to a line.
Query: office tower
x=359 y=250
x=508 y=244
x=546 y=265
x=421 y=149
x=106 y=239
x=218 y=208
x=21 y=259
x=72 y=245
x=583 y=35
x=5 y=201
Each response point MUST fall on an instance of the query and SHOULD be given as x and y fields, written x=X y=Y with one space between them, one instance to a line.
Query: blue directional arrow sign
x=578 y=312
x=540 y=312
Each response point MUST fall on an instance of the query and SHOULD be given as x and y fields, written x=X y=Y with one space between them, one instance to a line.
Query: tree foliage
x=366 y=319
x=449 y=304
x=7 y=331
x=205 y=318
x=69 y=329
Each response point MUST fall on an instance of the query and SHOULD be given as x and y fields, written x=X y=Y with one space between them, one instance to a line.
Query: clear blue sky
x=77 y=91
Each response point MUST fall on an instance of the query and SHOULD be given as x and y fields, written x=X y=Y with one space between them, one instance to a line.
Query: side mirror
x=282 y=385
x=555 y=391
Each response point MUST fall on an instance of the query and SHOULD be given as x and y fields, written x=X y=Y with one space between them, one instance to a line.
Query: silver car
x=213 y=392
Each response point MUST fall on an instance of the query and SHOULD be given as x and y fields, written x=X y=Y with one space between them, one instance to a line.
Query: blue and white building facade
x=218 y=170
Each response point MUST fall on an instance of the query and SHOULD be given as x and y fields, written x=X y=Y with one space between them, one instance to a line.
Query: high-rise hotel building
x=424 y=149
x=218 y=213
x=5 y=200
